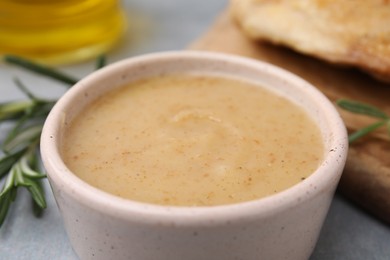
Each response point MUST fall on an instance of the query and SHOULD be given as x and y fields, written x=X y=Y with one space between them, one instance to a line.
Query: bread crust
x=354 y=33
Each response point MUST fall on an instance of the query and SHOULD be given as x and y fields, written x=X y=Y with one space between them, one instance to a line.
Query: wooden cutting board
x=366 y=178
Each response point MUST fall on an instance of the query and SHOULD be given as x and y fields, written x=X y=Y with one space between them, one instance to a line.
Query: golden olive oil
x=60 y=31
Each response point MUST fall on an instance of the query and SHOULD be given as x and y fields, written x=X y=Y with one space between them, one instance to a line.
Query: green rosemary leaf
x=35 y=190
x=28 y=170
x=33 y=159
x=17 y=128
x=8 y=161
x=100 y=62
x=37 y=210
x=13 y=193
x=19 y=178
x=363 y=131
x=5 y=202
x=22 y=138
x=9 y=184
x=362 y=108
x=40 y=69
x=13 y=110
x=24 y=89
x=38 y=111
x=32 y=117
x=7 y=194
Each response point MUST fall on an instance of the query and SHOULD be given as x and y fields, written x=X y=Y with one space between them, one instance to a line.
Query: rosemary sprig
x=365 y=109
x=20 y=161
x=23 y=172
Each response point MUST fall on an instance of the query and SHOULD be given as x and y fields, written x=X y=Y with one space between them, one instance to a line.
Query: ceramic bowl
x=282 y=226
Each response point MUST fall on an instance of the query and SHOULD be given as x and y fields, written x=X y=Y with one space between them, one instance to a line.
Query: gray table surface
x=348 y=233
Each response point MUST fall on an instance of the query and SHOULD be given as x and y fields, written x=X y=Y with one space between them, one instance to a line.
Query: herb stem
x=368 y=110
x=363 y=131
x=40 y=69
x=100 y=62
x=361 y=108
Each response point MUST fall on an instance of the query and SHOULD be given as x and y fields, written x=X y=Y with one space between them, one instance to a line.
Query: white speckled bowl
x=281 y=226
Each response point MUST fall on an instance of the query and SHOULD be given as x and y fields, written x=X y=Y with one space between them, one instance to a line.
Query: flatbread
x=345 y=32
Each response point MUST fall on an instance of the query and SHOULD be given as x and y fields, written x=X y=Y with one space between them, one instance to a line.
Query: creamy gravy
x=192 y=141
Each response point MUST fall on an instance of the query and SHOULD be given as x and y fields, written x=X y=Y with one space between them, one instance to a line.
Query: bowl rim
x=327 y=174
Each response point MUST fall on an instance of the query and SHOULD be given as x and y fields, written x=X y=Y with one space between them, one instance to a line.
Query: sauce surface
x=187 y=140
